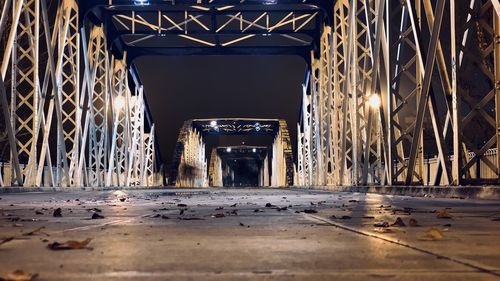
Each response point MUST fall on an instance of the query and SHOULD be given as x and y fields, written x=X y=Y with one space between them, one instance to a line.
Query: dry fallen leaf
x=71 y=245
x=18 y=275
x=96 y=216
x=413 y=222
x=399 y=222
x=434 y=234
x=444 y=214
x=57 y=212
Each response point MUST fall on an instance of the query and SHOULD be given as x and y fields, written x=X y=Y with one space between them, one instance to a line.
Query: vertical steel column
x=496 y=28
x=99 y=98
x=476 y=98
x=307 y=124
x=25 y=83
x=136 y=150
x=300 y=158
x=316 y=157
x=339 y=107
x=68 y=76
x=118 y=159
x=324 y=94
x=149 y=170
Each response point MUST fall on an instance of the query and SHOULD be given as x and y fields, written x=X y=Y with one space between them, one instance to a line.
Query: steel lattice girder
x=356 y=49
x=211 y=27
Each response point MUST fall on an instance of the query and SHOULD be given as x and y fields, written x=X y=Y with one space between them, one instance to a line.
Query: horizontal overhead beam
x=133 y=53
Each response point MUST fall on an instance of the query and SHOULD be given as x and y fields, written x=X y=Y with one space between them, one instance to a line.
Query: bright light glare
x=257 y=126
x=270 y=2
x=374 y=101
x=213 y=123
x=228 y=149
x=254 y=150
x=141 y=2
x=119 y=103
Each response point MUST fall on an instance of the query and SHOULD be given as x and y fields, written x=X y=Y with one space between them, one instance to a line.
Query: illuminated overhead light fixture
x=213 y=123
x=270 y=2
x=254 y=150
x=257 y=126
x=374 y=101
x=141 y=2
x=228 y=149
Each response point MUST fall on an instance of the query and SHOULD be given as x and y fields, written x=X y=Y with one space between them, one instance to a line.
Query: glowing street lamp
x=374 y=101
x=119 y=103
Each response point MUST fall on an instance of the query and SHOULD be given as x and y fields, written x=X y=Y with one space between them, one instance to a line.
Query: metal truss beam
x=382 y=93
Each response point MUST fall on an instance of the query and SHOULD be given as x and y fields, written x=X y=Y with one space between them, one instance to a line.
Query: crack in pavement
x=316 y=218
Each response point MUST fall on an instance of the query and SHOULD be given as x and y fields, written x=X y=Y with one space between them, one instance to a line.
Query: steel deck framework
x=75 y=112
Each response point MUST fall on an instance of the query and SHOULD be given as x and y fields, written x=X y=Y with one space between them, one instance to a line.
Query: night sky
x=182 y=88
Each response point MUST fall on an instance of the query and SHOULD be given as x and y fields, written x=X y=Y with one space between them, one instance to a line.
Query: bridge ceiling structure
x=216 y=27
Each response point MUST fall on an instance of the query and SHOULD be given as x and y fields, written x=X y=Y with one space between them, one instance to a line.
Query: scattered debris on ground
x=381 y=224
x=434 y=234
x=341 y=217
x=399 y=222
x=71 y=245
x=19 y=275
x=413 y=222
x=97 y=216
x=444 y=214
x=57 y=212
x=383 y=230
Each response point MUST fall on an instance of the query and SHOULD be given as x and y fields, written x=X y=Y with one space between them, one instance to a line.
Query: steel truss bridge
x=190 y=151
x=379 y=72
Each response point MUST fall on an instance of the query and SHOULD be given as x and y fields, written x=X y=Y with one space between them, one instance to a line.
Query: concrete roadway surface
x=230 y=234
